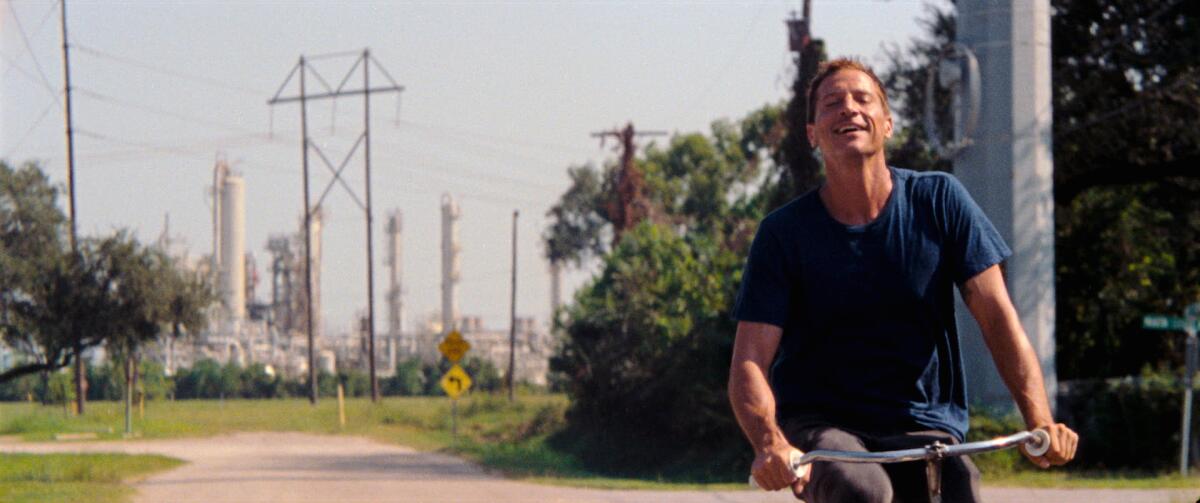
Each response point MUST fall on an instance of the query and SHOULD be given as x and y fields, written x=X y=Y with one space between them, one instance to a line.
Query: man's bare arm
x=988 y=300
x=754 y=405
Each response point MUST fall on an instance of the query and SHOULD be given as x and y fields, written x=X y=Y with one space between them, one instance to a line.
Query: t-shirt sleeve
x=974 y=243
x=765 y=292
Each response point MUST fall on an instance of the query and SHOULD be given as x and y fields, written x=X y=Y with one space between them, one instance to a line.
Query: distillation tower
x=450 y=263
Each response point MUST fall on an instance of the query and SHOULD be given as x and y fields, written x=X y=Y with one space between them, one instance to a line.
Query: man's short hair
x=833 y=66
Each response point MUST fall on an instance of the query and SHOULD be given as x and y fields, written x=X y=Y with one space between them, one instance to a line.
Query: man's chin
x=854 y=149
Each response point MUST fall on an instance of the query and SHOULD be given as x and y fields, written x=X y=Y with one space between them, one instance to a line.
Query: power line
x=433 y=128
x=32 y=55
x=198 y=79
x=17 y=146
x=159 y=111
x=730 y=61
x=45 y=18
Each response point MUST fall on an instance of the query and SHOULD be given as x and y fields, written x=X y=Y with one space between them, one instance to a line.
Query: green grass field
x=510 y=438
x=70 y=478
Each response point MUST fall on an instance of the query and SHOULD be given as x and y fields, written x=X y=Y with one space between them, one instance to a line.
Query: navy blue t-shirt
x=869 y=338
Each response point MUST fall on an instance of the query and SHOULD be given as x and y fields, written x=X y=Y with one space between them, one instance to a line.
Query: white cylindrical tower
x=450 y=271
x=233 y=246
x=315 y=235
x=395 y=301
x=555 y=288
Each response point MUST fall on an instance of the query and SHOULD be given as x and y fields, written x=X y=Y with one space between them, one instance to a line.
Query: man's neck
x=856 y=190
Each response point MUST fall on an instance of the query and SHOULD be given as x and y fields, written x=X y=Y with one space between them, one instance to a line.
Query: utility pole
x=364 y=139
x=630 y=205
x=80 y=366
x=512 y=330
x=802 y=166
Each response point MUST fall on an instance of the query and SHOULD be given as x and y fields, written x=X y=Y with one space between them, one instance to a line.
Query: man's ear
x=887 y=128
x=812 y=140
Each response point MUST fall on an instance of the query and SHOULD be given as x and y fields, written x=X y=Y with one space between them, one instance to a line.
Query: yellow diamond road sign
x=456 y=381
x=453 y=347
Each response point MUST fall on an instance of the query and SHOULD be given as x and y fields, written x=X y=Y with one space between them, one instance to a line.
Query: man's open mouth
x=849 y=129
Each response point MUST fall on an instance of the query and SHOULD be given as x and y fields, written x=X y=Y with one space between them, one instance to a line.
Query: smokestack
x=555 y=288
x=233 y=245
x=450 y=272
x=394 y=301
x=219 y=171
x=315 y=234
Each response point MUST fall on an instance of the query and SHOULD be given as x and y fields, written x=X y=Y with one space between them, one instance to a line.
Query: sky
x=499 y=99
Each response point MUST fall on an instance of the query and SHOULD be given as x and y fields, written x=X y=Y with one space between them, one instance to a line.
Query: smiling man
x=846 y=335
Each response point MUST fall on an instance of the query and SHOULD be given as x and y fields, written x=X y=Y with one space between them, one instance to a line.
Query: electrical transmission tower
x=303 y=68
x=630 y=205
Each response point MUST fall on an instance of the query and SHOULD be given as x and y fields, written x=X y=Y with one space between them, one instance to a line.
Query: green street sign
x=1164 y=322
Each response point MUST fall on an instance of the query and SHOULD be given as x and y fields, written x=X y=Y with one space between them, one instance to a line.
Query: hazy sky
x=501 y=97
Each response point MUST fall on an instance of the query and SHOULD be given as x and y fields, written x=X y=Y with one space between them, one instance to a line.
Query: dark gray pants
x=879 y=483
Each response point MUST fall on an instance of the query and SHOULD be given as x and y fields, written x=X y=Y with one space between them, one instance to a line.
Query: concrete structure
x=394 y=341
x=555 y=289
x=1008 y=168
x=230 y=223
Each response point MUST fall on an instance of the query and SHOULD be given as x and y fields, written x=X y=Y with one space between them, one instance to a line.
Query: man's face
x=850 y=118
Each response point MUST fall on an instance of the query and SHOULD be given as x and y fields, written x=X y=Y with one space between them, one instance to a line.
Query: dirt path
x=303 y=468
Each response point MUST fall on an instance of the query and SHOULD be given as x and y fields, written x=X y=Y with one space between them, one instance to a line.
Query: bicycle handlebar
x=1037 y=442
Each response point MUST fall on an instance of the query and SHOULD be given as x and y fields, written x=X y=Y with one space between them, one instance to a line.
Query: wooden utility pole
x=80 y=366
x=803 y=168
x=630 y=205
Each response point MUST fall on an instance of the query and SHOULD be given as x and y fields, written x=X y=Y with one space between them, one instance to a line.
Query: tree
x=713 y=184
x=31 y=242
x=576 y=232
x=1126 y=92
x=904 y=78
x=647 y=343
x=55 y=303
x=647 y=351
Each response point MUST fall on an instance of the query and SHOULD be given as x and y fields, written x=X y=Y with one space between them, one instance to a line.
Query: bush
x=104 y=381
x=409 y=380
x=21 y=388
x=202 y=380
x=1128 y=423
x=987 y=424
x=355 y=382
x=647 y=351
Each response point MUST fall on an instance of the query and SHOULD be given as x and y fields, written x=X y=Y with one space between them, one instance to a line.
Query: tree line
x=208 y=379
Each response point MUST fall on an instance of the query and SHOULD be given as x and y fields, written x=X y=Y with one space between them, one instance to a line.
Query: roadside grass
x=95 y=478
x=513 y=439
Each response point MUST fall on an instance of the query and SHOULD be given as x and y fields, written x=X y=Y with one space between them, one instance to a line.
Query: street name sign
x=1164 y=322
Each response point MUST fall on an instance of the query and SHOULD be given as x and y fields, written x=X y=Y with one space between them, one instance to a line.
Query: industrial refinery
x=273 y=331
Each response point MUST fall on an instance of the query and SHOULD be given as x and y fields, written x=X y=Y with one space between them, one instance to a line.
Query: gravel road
x=305 y=468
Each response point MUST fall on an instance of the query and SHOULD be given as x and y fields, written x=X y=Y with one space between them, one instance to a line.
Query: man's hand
x=1063 y=442
x=772 y=469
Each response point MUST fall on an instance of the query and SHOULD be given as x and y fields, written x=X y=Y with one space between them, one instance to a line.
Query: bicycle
x=1036 y=442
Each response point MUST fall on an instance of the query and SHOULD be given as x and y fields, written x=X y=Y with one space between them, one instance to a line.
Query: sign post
x=456 y=381
x=1188 y=323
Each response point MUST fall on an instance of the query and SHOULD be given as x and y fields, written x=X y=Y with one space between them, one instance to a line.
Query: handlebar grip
x=1040 y=443
x=793 y=461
